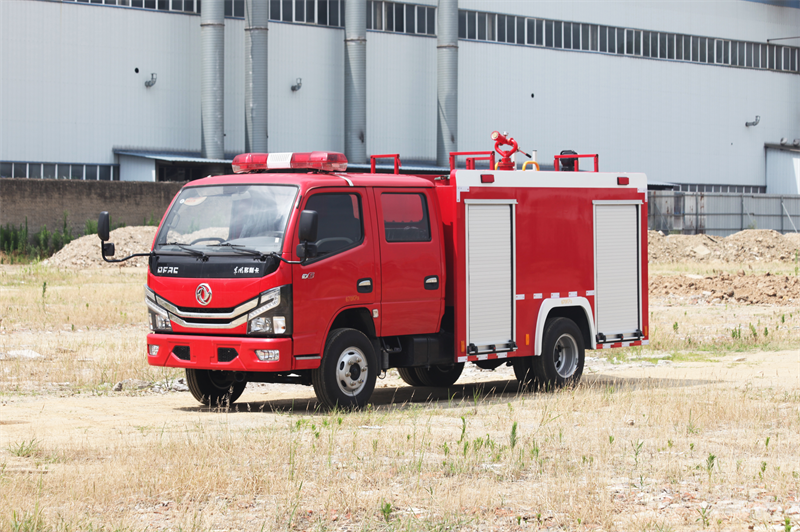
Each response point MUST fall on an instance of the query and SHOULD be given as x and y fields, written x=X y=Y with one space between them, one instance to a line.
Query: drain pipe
x=256 y=19
x=447 y=82
x=355 y=81
x=212 y=88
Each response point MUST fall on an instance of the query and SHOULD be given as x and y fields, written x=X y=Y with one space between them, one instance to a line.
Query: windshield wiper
x=192 y=251
x=242 y=250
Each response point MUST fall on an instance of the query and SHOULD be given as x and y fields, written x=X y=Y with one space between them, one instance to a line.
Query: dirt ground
x=701 y=429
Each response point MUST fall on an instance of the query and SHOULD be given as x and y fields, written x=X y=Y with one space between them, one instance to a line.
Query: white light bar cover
x=279 y=160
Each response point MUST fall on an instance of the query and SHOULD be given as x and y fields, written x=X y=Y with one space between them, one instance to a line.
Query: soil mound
x=84 y=252
x=752 y=245
x=745 y=288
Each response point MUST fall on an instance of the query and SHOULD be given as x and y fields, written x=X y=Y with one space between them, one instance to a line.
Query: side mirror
x=108 y=249
x=102 y=226
x=309 y=223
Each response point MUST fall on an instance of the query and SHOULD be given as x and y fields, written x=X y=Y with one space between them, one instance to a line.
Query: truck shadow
x=401 y=397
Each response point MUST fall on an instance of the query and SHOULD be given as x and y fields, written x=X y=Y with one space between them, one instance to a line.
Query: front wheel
x=563 y=353
x=214 y=388
x=346 y=376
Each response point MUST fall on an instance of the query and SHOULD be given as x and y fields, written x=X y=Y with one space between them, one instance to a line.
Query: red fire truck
x=294 y=270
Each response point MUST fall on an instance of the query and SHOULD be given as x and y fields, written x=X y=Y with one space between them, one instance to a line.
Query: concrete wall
x=44 y=202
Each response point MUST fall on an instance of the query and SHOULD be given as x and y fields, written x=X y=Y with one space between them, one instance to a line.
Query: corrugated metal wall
x=401 y=95
x=721 y=214
x=783 y=172
x=69 y=92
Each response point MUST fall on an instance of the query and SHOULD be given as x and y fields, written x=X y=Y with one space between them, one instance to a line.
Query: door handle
x=364 y=286
x=432 y=282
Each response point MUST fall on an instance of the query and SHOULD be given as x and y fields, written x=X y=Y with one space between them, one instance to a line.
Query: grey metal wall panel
x=617 y=269
x=401 y=95
x=661 y=120
x=722 y=214
x=783 y=172
x=313 y=117
x=490 y=273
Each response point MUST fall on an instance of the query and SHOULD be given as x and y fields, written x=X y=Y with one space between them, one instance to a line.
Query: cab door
x=412 y=286
x=343 y=274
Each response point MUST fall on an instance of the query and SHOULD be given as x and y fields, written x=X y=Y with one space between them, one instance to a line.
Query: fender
x=561 y=302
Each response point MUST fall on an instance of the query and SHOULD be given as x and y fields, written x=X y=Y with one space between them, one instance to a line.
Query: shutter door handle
x=432 y=282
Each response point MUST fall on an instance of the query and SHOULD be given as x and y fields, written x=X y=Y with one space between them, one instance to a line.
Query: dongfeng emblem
x=203 y=294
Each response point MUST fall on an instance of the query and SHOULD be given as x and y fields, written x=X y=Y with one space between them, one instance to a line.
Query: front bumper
x=222 y=353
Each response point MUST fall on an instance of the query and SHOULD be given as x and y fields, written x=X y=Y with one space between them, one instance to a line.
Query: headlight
x=274 y=313
x=159 y=317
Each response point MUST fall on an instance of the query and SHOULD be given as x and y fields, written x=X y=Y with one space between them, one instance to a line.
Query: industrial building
x=700 y=94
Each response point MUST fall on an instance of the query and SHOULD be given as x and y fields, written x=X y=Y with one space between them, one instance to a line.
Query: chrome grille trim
x=231 y=325
x=241 y=309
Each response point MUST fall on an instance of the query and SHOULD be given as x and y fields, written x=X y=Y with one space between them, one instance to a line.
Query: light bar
x=326 y=161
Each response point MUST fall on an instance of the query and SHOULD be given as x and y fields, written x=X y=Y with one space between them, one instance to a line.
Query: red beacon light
x=326 y=161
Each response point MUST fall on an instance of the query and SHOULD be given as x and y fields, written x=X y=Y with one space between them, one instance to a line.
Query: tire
x=523 y=371
x=409 y=376
x=439 y=376
x=214 y=388
x=346 y=376
x=563 y=354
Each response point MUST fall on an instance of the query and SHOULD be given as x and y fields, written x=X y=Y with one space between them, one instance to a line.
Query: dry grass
x=613 y=454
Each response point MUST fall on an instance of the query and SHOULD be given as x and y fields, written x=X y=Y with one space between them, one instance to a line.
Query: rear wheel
x=563 y=354
x=346 y=376
x=214 y=388
x=523 y=371
x=439 y=376
x=409 y=376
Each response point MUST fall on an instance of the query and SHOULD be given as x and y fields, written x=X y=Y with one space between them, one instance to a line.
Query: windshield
x=227 y=217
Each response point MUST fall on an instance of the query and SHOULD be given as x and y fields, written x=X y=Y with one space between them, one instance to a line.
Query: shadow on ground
x=458 y=395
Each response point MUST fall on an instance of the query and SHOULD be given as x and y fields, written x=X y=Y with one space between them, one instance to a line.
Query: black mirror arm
x=273 y=254
x=102 y=252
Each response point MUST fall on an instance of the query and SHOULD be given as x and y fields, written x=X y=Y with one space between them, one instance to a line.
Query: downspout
x=355 y=81
x=447 y=82
x=256 y=95
x=212 y=88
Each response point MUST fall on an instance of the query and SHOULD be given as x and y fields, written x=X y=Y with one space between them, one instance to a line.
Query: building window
x=34 y=170
x=476 y=25
x=397 y=17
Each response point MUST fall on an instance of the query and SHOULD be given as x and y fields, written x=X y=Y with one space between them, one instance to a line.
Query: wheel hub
x=566 y=356
x=351 y=371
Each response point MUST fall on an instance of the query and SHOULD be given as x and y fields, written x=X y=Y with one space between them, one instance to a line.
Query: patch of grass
x=25 y=448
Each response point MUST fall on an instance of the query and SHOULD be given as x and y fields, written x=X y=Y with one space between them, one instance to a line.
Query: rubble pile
x=84 y=252
x=740 y=287
x=752 y=245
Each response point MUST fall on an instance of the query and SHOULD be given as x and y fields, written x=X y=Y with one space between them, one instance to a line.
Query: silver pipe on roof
x=212 y=88
x=355 y=81
x=256 y=95
x=447 y=82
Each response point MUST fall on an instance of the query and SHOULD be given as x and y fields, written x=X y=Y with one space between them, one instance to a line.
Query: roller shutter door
x=617 y=275
x=490 y=277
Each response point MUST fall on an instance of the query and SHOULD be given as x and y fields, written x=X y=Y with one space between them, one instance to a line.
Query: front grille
x=182 y=352
x=226 y=354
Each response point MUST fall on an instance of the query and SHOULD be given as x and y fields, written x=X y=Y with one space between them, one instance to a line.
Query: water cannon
x=502 y=139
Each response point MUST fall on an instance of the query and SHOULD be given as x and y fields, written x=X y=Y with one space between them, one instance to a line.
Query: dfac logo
x=203 y=294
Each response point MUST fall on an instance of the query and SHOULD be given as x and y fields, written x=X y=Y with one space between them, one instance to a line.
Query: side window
x=405 y=217
x=340 y=221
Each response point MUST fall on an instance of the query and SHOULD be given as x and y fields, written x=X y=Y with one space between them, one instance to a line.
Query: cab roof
x=310 y=180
